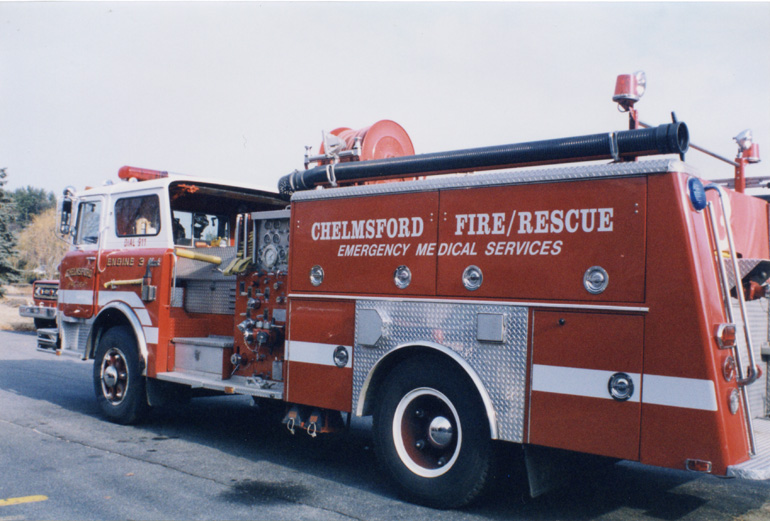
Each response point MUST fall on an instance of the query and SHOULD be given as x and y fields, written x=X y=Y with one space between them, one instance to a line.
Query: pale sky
x=236 y=90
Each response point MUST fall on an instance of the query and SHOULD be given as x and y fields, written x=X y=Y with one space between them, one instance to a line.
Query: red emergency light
x=140 y=174
x=629 y=88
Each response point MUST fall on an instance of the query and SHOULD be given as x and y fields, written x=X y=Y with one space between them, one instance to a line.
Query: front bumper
x=38 y=312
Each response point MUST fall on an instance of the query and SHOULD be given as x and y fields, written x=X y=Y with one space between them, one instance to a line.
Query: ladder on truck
x=745 y=377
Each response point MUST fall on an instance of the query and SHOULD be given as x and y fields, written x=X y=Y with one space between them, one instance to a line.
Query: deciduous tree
x=39 y=247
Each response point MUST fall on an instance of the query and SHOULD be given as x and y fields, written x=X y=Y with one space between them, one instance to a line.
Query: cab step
x=48 y=340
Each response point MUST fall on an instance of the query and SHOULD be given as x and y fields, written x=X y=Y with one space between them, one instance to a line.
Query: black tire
x=431 y=433
x=44 y=323
x=118 y=381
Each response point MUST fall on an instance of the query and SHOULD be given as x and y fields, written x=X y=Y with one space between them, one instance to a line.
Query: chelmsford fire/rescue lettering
x=367 y=229
x=585 y=314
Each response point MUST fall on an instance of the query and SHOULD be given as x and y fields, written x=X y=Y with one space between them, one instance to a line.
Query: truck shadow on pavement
x=346 y=462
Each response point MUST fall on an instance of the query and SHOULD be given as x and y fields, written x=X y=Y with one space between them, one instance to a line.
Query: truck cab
x=148 y=255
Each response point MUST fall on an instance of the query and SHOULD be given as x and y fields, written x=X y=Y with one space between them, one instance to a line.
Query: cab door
x=79 y=271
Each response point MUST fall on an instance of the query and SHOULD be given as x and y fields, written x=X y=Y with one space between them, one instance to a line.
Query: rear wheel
x=118 y=381
x=432 y=434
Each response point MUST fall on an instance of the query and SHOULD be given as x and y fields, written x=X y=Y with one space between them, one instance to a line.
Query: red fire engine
x=613 y=309
x=43 y=308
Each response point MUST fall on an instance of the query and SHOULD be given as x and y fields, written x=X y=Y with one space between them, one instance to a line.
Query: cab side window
x=137 y=216
x=89 y=213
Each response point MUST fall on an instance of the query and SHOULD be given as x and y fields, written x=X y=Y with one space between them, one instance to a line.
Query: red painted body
x=295 y=286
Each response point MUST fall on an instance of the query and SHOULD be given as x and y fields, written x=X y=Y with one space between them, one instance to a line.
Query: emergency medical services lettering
x=518 y=223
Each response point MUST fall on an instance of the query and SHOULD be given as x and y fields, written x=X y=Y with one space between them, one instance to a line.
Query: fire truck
x=44 y=301
x=613 y=309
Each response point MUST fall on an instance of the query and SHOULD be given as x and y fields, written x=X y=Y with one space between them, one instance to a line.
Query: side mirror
x=65 y=215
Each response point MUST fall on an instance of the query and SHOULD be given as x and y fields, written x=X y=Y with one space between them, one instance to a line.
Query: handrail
x=742 y=380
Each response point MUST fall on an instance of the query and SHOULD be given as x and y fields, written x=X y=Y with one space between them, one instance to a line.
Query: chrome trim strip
x=594 y=307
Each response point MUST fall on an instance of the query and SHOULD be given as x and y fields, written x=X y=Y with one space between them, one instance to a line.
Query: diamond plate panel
x=759 y=327
x=502 y=367
x=199 y=270
x=507 y=177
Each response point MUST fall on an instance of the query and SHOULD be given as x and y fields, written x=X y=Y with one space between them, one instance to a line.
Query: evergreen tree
x=8 y=273
x=29 y=202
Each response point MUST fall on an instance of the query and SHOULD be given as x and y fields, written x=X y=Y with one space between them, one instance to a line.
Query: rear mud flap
x=549 y=468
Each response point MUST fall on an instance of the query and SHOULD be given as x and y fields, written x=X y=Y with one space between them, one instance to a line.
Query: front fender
x=107 y=318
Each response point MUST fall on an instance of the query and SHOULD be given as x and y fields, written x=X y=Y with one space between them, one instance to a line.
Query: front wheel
x=432 y=434
x=118 y=381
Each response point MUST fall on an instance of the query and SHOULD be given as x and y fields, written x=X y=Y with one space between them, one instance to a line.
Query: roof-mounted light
x=747 y=149
x=629 y=88
x=744 y=139
x=128 y=173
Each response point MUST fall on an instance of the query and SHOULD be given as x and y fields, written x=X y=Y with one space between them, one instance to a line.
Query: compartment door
x=578 y=359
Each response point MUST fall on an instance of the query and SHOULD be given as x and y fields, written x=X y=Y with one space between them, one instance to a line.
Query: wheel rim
x=114 y=376
x=427 y=432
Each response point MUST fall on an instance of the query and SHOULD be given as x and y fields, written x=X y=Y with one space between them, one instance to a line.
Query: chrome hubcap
x=426 y=432
x=440 y=432
x=114 y=376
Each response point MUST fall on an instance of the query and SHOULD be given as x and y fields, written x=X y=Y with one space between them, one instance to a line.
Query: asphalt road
x=218 y=458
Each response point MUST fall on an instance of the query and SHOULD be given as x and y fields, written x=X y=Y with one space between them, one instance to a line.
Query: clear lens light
x=641 y=83
x=745 y=139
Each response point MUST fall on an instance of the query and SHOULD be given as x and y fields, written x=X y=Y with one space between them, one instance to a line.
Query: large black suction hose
x=672 y=138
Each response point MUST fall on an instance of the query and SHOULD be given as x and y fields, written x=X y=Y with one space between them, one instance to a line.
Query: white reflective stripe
x=688 y=393
x=81 y=297
x=151 y=335
x=590 y=383
x=129 y=297
x=670 y=391
x=143 y=316
x=315 y=353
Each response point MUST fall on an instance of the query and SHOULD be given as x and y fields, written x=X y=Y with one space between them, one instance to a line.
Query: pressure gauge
x=268 y=225
x=276 y=238
x=269 y=256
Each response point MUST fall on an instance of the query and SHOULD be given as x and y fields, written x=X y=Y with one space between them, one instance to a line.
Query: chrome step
x=47 y=339
x=758 y=467
x=252 y=386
